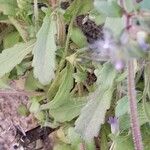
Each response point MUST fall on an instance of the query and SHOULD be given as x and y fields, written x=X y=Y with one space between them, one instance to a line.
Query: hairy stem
x=135 y=127
x=53 y=3
x=19 y=93
x=36 y=14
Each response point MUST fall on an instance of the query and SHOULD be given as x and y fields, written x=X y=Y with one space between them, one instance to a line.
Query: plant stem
x=36 y=14
x=135 y=127
x=53 y=3
x=19 y=93
x=61 y=64
x=67 y=40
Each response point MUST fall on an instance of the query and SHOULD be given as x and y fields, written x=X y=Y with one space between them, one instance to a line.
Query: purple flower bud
x=114 y=123
x=141 y=39
x=144 y=45
x=119 y=65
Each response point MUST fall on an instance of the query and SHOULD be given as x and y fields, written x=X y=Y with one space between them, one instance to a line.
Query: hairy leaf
x=123 y=105
x=124 y=120
x=44 y=51
x=77 y=36
x=71 y=10
x=116 y=25
x=11 y=39
x=10 y=57
x=34 y=108
x=93 y=114
x=62 y=147
x=64 y=107
x=4 y=82
x=77 y=5
x=123 y=143
x=68 y=110
x=8 y=7
x=31 y=83
x=21 y=27
x=63 y=94
x=108 y=8
x=86 y=6
x=55 y=85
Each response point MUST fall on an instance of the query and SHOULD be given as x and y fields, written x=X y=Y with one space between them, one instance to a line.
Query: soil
x=9 y=118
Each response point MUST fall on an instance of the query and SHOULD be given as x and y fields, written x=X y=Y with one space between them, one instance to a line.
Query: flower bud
x=114 y=123
x=141 y=39
x=119 y=65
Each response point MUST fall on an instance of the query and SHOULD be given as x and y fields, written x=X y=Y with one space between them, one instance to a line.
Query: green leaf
x=55 y=85
x=22 y=68
x=124 y=120
x=73 y=137
x=78 y=6
x=105 y=131
x=62 y=147
x=146 y=136
x=86 y=6
x=63 y=94
x=11 y=39
x=78 y=37
x=80 y=76
x=64 y=107
x=22 y=110
x=71 y=10
x=123 y=143
x=4 y=82
x=106 y=72
x=31 y=83
x=108 y=8
x=146 y=91
x=68 y=110
x=3 y=17
x=21 y=27
x=24 y=4
x=93 y=114
x=34 y=108
x=95 y=16
x=10 y=57
x=40 y=116
x=116 y=25
x=8 y=7
x=89 y=145
x=122 y=107
x=44 y=51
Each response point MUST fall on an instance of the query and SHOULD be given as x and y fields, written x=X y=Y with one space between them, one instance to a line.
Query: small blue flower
x=114 y=123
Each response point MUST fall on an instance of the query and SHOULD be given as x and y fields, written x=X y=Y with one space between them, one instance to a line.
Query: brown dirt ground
x=10 y=117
